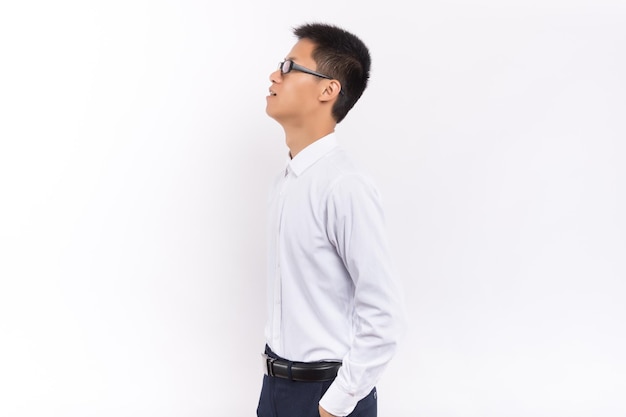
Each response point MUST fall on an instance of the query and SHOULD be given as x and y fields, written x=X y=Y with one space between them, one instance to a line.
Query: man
x=334 y=306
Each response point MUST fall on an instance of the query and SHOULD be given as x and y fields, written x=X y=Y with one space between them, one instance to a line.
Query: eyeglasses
x=288 y=65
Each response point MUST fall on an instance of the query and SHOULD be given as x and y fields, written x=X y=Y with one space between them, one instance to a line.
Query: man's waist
x=275 y=366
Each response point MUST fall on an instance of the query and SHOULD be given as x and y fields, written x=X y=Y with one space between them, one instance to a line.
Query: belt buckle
x=268 y=365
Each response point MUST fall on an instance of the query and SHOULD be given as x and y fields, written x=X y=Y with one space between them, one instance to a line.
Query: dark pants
x=284 y=398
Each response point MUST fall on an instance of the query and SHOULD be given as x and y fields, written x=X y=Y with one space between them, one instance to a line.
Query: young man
x=334 y=306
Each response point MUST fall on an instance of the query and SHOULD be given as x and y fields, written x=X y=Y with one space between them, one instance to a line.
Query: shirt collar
x=312 y=153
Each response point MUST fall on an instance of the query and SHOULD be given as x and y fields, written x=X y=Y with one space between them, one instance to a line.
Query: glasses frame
x=293 y=66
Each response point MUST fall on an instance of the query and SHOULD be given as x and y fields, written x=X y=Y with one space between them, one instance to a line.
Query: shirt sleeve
x=355 y=226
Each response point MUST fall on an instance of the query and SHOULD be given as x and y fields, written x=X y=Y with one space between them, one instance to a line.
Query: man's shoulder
x=345 y=174
x=341 y=163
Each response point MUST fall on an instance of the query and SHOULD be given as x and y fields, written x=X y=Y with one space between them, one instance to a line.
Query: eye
x=286 y=66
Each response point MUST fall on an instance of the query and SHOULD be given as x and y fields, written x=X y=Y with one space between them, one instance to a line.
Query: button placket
x=277 y=308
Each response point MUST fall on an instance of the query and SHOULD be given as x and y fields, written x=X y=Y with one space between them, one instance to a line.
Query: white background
x=135 y=158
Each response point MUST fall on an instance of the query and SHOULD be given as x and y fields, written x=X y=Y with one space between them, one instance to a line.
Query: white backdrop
x=135 y=157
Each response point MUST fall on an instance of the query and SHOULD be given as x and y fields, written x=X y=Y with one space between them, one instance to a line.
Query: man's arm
x=356 y=229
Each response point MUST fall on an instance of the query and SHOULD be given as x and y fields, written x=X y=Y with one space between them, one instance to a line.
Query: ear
x=331 y=90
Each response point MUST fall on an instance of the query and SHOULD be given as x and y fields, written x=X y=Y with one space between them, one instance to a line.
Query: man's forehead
x=301 y=51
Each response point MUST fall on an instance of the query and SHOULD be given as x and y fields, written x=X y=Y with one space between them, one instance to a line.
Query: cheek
x=305 y=95
x=302 y=87
x=293 y=101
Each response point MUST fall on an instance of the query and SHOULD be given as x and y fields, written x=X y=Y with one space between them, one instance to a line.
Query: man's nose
x=276 y=76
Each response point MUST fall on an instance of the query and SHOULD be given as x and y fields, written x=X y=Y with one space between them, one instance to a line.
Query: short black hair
x=341 y=55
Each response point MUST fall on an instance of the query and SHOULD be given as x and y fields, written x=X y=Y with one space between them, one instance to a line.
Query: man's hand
x=324 y=413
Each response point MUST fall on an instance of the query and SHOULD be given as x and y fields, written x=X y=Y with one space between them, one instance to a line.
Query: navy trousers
x=284 y=398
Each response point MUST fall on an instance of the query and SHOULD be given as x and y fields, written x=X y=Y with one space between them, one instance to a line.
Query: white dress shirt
x=331 y=291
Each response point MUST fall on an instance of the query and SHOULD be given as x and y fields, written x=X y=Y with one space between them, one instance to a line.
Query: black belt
x=300 y=371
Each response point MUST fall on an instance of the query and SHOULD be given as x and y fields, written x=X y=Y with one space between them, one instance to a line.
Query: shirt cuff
x=337 y=402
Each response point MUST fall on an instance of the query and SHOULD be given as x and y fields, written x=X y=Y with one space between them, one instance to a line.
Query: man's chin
x=272 y=114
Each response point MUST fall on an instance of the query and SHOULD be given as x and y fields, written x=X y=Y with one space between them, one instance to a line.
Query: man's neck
x=298 y=139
